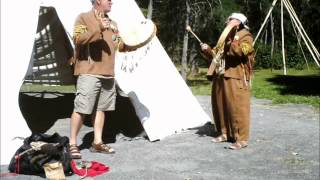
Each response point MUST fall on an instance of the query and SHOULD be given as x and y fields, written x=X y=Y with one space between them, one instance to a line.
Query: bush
x=294 y=58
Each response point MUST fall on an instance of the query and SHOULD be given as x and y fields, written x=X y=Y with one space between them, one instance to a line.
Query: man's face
x=106 y=5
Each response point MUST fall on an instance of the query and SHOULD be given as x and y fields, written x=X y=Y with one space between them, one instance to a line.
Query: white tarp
x=18 y=27
x=163 y=101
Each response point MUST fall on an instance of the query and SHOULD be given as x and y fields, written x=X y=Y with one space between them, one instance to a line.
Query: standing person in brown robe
x=230 y=96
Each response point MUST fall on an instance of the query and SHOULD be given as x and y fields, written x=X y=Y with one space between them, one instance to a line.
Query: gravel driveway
x=284 y=144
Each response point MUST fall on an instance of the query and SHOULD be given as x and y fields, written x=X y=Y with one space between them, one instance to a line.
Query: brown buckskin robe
x=230 y=95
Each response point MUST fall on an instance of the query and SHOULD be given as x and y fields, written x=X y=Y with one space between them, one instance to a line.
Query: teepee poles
x=282 y=38
x=299 y=42
x=296 y=24
x=313 y=51
x=265 y=20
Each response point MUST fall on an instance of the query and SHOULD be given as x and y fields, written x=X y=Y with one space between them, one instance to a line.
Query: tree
x=150 y=9
x=171 y=18
x=207 y=19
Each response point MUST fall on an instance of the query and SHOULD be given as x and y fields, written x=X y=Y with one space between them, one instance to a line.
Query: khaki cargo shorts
x=94 y=94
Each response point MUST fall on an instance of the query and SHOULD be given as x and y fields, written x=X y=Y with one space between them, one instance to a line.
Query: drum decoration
x=131 y=59
x=218 y=62
x=139 y=34
x=138 y=38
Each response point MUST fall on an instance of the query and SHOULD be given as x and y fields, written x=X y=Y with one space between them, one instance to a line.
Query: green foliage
x=198 y=84
x=208 y=22
x=143 y=3
x=144 y=12
x=294 y=57
x=310 y=13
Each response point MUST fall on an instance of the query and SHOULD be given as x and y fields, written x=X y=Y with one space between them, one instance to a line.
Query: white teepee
x=163 y=102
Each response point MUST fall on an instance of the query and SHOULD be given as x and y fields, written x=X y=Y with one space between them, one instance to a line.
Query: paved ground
x=284 y=144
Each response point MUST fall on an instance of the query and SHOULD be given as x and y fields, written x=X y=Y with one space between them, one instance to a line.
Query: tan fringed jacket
x=236 y=55
x=94 y=47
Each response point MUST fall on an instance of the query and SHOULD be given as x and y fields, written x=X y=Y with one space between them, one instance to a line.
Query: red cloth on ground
x=95 y=169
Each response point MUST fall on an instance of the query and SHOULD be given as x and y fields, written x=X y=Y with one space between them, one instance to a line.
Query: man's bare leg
x=98 y=123
x=76 y=124
x=97 y=145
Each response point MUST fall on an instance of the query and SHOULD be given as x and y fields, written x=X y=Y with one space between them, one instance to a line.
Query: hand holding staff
x=204 y=46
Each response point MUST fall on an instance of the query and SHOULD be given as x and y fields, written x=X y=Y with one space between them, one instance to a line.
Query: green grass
x=298 y=86
x=199 y=85
x=43 y=88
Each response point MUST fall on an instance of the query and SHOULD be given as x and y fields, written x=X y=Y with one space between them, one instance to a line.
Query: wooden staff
x=188 y=28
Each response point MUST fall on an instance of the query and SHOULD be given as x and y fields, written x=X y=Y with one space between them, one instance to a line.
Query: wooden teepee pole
x=265 y=20
x=299 y=42
x=282 y=35
x=312 y=49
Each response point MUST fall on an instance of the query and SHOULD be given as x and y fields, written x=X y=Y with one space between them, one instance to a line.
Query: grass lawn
x=44 y=88
x=298 y=86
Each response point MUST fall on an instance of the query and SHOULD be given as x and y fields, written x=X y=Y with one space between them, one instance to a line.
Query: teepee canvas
x=162 y=100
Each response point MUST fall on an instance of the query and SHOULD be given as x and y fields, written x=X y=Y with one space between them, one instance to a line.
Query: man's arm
x=82 y=35
x=241 y=47
x=207 y=52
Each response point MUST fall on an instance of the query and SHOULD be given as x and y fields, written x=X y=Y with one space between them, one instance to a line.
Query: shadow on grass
x=297 y=85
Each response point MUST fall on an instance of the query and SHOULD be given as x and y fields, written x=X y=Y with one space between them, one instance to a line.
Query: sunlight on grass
x=199 y=85
x=263 y=86
x=299 y=86
x=43 y=88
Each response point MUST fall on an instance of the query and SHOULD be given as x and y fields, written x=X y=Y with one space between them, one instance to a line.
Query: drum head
x=139 y=34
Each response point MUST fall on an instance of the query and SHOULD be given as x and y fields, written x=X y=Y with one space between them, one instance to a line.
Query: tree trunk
x=272 y=40
x=184 y=63
x=193 y=61
x=150 y=9
x=266 y=38
x=220 y=4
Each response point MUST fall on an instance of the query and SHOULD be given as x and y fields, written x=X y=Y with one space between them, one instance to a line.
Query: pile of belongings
x=43 y=155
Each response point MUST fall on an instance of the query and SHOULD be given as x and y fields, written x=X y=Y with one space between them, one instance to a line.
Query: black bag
x=31 y=163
